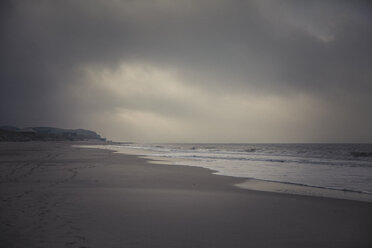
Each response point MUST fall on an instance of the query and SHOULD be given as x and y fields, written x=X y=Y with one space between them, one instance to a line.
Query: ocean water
x=342 y=167
x=334 y=166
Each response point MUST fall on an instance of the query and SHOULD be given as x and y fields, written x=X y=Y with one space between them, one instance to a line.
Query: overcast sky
x=190 y=71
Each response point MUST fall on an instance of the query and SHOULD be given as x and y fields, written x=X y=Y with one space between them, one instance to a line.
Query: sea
x=339 y=169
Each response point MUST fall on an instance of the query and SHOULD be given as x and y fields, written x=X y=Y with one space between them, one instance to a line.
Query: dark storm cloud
x=236 y=49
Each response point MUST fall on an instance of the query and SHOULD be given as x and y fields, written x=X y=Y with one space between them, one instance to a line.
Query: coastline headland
x=11 y=133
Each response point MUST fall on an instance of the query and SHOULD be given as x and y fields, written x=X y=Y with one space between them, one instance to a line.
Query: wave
x=261 y=158
x=302 y=165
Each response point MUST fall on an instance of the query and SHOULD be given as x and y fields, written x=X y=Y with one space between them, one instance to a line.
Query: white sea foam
x=343 y=167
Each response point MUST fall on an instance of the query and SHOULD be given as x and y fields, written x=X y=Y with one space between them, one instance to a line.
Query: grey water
x=345 y=167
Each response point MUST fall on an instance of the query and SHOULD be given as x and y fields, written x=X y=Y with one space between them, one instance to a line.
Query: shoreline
x=56 y=195
x=305 y=190
x=252 y=183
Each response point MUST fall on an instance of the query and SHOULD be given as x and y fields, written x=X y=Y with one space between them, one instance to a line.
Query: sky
x=190 y=71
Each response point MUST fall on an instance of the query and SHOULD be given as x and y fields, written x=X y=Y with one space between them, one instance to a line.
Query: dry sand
x=55 y=195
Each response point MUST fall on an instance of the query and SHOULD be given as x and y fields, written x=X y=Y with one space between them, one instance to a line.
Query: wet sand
x=55 y=195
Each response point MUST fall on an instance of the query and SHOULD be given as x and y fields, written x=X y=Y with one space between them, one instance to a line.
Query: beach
x=54 y=194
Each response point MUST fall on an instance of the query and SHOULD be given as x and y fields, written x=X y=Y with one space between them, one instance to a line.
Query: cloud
x=226 y=71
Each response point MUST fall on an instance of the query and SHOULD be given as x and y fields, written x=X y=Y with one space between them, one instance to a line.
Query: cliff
x=10 y=133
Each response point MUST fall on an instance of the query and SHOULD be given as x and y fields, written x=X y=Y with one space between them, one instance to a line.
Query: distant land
x=11 y=133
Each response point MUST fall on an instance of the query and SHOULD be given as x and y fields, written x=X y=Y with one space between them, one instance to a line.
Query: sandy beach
x=56 y=195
